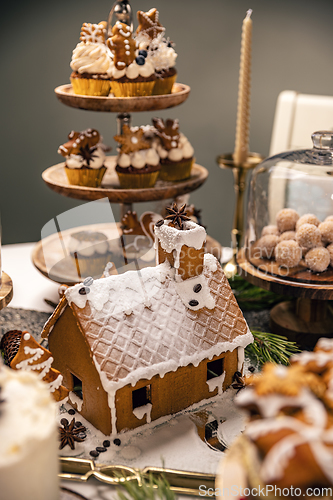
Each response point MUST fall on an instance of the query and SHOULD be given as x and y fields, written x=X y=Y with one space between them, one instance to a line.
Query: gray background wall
x=292 y=49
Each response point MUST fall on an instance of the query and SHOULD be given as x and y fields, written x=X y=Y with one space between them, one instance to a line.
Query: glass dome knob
x=323 y=139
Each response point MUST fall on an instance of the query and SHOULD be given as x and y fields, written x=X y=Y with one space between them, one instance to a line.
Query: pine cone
x=10 y=344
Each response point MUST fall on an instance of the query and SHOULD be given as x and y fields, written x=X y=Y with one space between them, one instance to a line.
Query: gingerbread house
x=141 y=345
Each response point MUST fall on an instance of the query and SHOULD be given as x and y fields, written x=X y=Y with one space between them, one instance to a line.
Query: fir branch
x=250 y=297
x=152 y=488
x=270 y=347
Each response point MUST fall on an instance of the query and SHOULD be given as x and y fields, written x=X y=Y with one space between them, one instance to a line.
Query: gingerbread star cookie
x=131 y=140
x=122 y=45
x=149 y=23
x=168 y=132
x=93 y=33
x=78 y=141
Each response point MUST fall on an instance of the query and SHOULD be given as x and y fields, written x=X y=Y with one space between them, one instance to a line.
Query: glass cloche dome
x=290 y=211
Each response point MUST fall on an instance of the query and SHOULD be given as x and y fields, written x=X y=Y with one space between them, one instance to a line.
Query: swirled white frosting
x=160 y=55
x=133 y=71
x=77 y=161
x=92 y=58
x=184 y=150
x=139 y=159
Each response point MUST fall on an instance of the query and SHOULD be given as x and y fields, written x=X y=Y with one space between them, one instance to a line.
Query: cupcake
x=132 y=74
x=85 y=155
x=91 y=62
x=160 y=52
x=90 y=251
x=174 y=149
x=138 y=163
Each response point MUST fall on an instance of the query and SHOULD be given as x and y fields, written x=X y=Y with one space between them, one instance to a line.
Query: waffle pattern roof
x=160 y=338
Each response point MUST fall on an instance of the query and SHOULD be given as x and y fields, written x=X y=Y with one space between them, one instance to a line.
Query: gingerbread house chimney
x=181 y=242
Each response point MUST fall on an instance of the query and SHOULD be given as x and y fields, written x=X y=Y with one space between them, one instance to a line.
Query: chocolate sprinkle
x=193 y=303
x=197 y=288
x=88 y=281
x=72 y=412
x=159 y=223
x=251 y=369
x=94 y=453
x=64 y=421
x=100 y=449
x=106 y=443
x=84 y=290
x=117 y=442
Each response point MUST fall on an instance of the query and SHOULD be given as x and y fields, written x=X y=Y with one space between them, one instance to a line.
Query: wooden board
x=282 y=285
x=55 y=177
x=6 y=290
x=299 y=273
x=179 y=94
x=50 y=259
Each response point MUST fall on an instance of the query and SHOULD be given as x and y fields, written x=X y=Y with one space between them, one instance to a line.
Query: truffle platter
x=179 y=94
x=56 y=179
x=299 y=273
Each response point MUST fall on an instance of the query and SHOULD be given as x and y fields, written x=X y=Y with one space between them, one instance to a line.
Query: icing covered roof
x=144 y=323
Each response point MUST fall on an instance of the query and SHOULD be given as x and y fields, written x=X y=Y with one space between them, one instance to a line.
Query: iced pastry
x=288 y=253
x=132 y=74
x=174 y=149
x=91 y=62
x=138 y=163
x=286 y=219
x=318 y=259
x=308 y=236
x=28 y=438
x=85 y=154
x=160 y=51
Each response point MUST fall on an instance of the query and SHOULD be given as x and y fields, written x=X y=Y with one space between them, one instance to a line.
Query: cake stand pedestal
x=6 y=290
x=303 y=321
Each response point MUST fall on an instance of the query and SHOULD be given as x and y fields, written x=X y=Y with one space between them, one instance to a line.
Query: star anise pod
x=177 y=216
x=69 y=433
x=87 y=153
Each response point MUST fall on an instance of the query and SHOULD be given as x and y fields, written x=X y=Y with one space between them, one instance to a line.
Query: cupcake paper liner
x=132 y=89
x=164 y=86
x=91 y=86
x=137 y=181
x=89 y=177
x=176 y=171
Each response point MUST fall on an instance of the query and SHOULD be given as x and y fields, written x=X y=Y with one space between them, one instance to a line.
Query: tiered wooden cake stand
x=6 y=290
x=55 y=176
x=311 y=315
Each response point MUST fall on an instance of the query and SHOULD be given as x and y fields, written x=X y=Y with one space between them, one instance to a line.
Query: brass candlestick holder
x=226 y=161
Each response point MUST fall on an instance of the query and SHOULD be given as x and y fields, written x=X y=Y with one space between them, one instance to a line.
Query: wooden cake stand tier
x=49 y=254
x=55 y=177
x=6 y=290
x=179 y=94
x=309 y=317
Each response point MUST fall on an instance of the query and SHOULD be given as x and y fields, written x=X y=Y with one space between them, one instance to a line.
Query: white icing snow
x=185 y=290
x=141 y=411
x=216 y=382
x=210 y=262
x=241 y=357
x=74 y=399
x=325 y=344
x=321 y=358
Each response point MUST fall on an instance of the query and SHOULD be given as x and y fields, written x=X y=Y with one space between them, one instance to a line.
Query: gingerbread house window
x=141 y=397
x=215 y=368
x=77 y=386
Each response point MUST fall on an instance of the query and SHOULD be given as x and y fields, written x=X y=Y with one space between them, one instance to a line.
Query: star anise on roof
x=87 y=153
x=69 y=433
x=177 y=216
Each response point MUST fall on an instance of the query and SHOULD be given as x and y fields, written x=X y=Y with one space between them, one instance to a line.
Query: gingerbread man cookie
x=78 y=141
x=122 y=45
x=93 y=33
x=149 y=23
x=131 y=140
x=168 y=132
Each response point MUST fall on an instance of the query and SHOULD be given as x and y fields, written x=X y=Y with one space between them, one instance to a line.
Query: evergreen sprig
x=250 y=297
x=152 y=488
x=270 y=347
